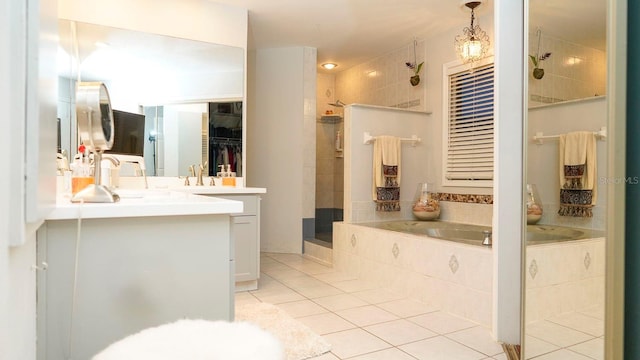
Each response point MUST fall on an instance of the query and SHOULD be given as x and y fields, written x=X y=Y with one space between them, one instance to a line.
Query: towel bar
x=368 y=139
x=539 y=137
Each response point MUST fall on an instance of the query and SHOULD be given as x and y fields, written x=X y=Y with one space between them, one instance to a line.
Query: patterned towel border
x=388 y=196
x=576 y=203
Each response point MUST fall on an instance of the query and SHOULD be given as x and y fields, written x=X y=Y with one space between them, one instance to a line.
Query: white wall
x=17 y=279
x=358 y=158
x=281 y=122
x=385 y=81
x=440 y=50
x=508 y=210
x=182 y=138
x=5 y=180
x=542 y=160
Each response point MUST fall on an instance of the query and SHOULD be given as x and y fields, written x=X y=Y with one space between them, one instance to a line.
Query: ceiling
x=349 y=32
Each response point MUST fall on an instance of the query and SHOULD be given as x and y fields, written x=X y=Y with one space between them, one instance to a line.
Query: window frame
x=449 y=69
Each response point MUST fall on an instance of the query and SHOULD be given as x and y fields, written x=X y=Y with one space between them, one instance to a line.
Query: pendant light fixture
x=473 y=44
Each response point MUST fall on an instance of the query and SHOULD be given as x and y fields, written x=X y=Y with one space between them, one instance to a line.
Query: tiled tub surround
x=564 y=278
x=453 y=277
x=457 y=278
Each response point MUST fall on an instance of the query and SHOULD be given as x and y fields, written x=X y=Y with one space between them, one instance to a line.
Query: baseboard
x=318 y=253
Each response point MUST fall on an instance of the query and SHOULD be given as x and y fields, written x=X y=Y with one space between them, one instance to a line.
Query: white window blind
x=470 y=125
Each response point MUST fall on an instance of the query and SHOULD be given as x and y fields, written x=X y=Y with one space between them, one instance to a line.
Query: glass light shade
x=472 y=49
x=473 y=44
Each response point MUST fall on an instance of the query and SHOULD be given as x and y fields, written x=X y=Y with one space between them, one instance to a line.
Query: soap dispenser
x=81 y=171
x=229 y=178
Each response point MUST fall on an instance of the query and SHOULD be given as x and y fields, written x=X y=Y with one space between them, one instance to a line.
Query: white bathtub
x=456 y=275
x=474 y=234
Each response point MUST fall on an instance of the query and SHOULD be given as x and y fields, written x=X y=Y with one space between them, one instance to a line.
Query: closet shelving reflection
x=225 y=136
x=224 y=141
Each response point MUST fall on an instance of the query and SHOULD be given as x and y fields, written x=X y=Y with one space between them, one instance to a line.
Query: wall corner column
x=508 y=184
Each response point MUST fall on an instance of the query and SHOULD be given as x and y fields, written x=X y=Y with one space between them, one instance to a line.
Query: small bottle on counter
x=81 y=171
x=229 y=179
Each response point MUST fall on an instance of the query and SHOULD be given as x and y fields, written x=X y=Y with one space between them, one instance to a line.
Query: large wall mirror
x=168 y=94
x=567 y=50
x=565 y=275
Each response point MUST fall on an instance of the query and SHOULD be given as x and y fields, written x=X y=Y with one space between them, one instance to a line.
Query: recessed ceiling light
x=329 y=66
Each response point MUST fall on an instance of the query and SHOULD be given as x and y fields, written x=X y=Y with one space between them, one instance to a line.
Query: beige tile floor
x=364 y=322
x=577 y=336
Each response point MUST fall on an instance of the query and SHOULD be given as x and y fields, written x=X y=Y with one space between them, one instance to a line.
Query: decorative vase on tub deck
x=534 y=206
x=425 y=205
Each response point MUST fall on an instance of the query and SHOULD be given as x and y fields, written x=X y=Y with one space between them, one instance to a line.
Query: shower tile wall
x=572 y=71
x=384 y=80
x=309 y=133
x=329 y=165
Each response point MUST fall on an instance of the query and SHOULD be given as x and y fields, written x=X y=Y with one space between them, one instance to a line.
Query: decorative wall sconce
x=473 y=44
x=415 y=78
x=538 y=71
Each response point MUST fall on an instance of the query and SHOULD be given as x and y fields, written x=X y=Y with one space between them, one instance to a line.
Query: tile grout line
x=343 y=292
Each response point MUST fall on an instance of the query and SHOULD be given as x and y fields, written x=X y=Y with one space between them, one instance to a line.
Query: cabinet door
x=245 y=235
x=132 y=274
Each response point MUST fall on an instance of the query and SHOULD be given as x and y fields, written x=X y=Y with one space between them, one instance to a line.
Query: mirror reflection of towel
x=386 y=173
x=577 y=152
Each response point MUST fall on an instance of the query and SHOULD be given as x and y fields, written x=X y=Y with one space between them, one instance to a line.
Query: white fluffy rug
x=299 y=341
x=196 y=340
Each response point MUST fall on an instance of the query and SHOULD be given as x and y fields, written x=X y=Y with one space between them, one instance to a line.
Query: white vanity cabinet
x=134 y=265
x=245 y=233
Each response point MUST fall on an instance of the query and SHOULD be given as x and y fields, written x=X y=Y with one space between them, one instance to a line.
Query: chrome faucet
x=113 y=160
x=136 y=161
x=487 y=237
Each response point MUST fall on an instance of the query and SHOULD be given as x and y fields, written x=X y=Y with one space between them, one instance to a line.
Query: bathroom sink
x=141 y=193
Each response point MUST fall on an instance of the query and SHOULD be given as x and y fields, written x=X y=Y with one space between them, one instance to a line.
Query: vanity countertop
x=177 y=184
x=219 y=190
x=144 y=203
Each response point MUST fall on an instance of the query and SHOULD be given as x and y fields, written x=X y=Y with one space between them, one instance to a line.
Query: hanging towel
x=577 y=152
x=386 y=173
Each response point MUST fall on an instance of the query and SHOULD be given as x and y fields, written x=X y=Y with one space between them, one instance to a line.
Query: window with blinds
x=469 y=127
